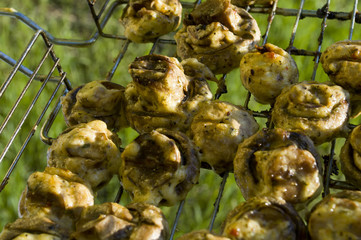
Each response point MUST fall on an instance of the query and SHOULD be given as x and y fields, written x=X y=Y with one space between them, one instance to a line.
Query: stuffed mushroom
x=35 y=228
x=161 y=95
x=264 y=218
x=146 y=20
x=218 y=34
x=281 y=164
x=350 y=157
x=217 y=129
x=336 y=217
x=57 y=194
x=159 y=167
x=202 y=235
x=89 y=150
x=96 y=100
x=319 y=110
x=114 y=221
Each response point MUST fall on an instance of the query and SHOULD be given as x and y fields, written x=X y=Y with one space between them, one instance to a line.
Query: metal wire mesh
x=102 y=12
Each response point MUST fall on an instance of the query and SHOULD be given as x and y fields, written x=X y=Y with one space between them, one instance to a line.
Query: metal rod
x=218 y=200
x=342 y=185
x=118 y=60
x=342 y=16
x=25 y=89
x=325 y=11
x=100 y=25
x=31 y=133
x=353 y=19
x=248 y=98
x=44 y=133
x=101 y=11
x=58 y=41
x=119 y=194
x=5 y=85
x=26 y=114
x=270 y=20
x=154 y=46
x=295 y=26
x=328 y=170
x=176 y=220
x=221 y=87
x=24 y=69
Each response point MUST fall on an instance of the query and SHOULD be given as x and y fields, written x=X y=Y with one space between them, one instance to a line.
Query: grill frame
x=102 y=16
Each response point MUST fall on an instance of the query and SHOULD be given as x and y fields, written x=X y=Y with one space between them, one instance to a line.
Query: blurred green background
x=69 y=19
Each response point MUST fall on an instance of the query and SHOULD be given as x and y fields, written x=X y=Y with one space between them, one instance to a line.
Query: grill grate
x=101 y=13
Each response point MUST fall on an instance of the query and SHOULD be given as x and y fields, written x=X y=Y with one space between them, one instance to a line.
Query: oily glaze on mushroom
x=34 y=228
x=159 y=167
x=57 y=194
x=218 y=34
x=264 y=218
x=336 y=217
x=89 y=150
x=319 y=110
x=350 y=157
x=342 y=62
x=267 y=71
x=114 y=221
x=245 y=3
x=146 y=20
x=202 y=235
x=278 y=163
x=96 y=100
x=161 y=95
x=217 y=129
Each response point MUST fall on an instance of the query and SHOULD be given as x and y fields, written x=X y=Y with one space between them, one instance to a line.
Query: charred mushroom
x=281 y=164
x=264 y=218
x=159 y=167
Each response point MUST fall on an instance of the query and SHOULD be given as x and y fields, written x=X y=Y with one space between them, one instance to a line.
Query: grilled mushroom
x=244 y=3
x=350 y=157
x=267 y=71
x=30 y=236
x=217 y=129
x=35 y=228
x=218 y=34
x=336 y=217
x=341 y=61
x=161 y=95
x=202 y=235
x=146 y=20
x=264 y=218
x=96 y=100
x=57 y=194
x=319 y=110
x=151 y=223
x=159 y=167
x=114 y=221
x=89 y=150
x=278 y=163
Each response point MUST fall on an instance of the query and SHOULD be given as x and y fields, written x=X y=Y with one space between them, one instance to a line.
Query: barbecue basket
x=41 y=63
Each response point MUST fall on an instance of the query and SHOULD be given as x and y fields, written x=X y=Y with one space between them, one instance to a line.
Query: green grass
x=71 y=19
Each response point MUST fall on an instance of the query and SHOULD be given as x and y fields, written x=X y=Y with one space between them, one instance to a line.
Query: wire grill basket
x=56 y=80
